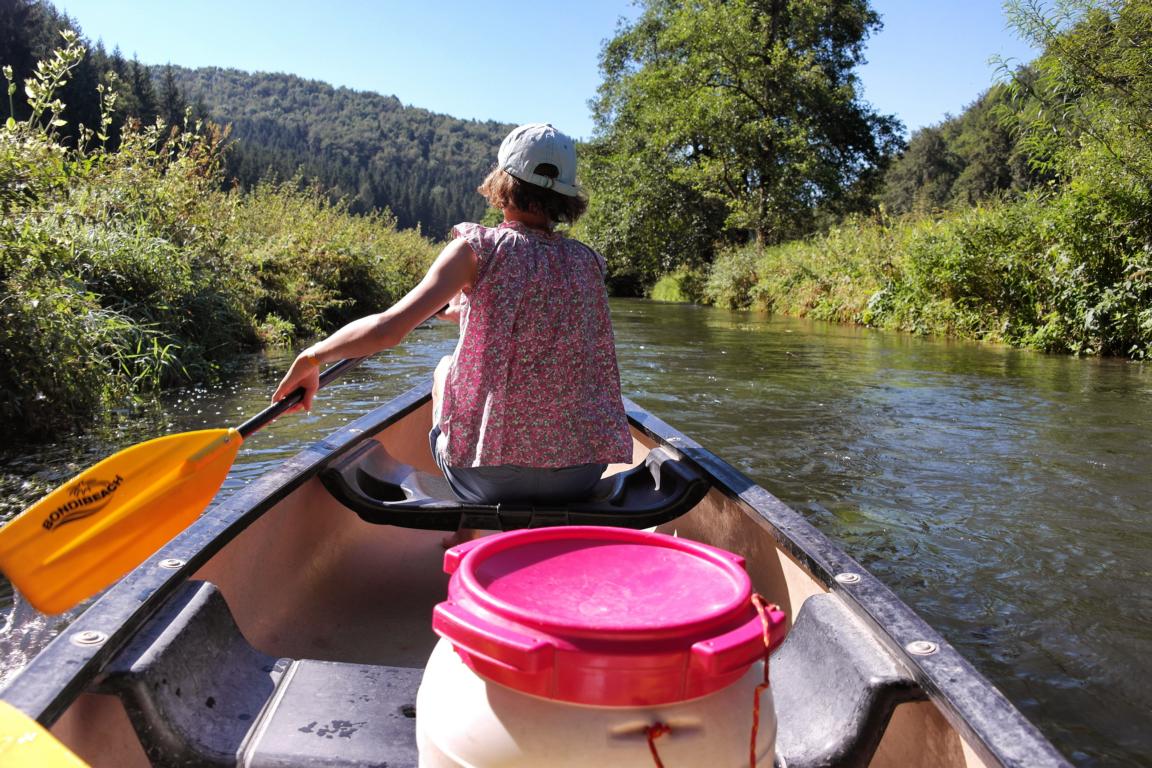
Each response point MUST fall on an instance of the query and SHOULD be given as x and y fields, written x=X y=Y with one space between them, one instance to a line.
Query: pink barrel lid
x=602 y=616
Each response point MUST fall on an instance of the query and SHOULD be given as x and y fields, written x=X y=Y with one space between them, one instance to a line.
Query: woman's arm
x=453 y=271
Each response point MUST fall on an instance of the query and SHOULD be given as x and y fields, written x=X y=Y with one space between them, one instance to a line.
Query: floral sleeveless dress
x=534 y=380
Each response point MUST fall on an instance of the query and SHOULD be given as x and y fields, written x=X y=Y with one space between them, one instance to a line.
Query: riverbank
x=124 y=272
x=1069 y=272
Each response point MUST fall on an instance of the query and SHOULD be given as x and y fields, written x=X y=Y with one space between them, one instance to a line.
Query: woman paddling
x=528 y=406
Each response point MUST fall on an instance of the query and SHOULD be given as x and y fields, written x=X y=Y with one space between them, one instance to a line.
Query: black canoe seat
x=198 y=694
x=835 y=689
x=382 y=490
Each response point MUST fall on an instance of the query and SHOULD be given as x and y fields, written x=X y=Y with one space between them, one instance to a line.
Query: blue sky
x=520 y=61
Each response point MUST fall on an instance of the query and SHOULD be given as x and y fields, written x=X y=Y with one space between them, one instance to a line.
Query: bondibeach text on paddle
x=100 y=525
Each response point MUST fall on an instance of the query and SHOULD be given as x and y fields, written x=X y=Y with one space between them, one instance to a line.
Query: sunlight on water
x=24 y=631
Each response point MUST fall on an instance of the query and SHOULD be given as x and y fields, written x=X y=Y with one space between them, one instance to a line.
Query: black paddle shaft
x=277 y=409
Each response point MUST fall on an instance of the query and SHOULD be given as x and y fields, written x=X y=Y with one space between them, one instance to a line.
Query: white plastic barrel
x=565 y=646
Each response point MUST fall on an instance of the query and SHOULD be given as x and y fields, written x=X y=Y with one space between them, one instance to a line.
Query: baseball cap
x=534 y=144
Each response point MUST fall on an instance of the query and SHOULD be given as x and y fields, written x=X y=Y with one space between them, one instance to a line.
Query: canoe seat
x=198 y=694
x=382 y=490
x=835 y=688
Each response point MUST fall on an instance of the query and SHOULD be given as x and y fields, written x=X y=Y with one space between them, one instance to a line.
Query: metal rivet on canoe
x=848 y=578
x=922 y=647
x=88 y=637
x=172 y=563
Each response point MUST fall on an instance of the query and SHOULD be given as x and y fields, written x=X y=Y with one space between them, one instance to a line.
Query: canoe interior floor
x=310 y=580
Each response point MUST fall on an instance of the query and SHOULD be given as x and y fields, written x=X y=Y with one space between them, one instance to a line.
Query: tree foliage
x=745 y=112
x=1086 y=118
x=963 y=161
x=1089 y=105
x=363 y=148
x=645 y=221
x=30 y=33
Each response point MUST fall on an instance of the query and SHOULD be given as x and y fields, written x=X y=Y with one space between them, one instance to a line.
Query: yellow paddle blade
x=24 y=743
x=95 y=528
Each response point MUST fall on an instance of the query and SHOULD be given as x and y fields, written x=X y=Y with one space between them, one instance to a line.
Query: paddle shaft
x=277 y=409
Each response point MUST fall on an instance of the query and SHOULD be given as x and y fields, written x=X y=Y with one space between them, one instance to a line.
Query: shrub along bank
x=1064 y=272
x=122 y=272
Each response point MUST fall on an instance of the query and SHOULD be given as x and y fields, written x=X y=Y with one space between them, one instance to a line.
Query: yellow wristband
x=310 y=356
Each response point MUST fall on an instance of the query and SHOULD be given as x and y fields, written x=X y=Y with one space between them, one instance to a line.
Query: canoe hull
x=305 y=578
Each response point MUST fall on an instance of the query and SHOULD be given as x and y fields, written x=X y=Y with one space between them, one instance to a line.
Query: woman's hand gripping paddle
x=98 y=526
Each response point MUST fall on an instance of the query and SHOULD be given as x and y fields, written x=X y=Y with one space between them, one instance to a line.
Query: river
x=1004 y=494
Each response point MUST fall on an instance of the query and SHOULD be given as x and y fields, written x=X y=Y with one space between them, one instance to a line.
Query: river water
x=1005 y=495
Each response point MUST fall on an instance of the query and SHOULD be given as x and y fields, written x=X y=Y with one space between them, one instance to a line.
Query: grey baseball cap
x=534 y=144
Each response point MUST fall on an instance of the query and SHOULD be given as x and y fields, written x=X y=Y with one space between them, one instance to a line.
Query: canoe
x=290 y=625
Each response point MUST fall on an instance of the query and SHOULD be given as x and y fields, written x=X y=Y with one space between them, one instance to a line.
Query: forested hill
x=367 y=147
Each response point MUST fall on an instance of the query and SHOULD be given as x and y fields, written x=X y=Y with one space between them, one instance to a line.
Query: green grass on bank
x=122 y=272
x=1066 y=272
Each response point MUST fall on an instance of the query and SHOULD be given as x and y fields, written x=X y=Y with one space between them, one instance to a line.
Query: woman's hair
x=503 y=190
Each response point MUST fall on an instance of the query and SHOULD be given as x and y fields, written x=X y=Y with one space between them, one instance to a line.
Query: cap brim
x=547 y=182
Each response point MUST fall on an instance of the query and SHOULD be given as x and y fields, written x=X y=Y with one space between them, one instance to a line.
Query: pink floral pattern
x=534 y=380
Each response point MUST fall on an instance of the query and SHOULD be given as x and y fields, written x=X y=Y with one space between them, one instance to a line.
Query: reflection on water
x=1003 y=494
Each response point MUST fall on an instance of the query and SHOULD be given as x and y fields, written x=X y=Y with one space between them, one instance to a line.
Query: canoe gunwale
x=991 y=725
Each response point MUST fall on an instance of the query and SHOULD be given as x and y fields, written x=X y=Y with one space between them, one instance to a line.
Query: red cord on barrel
x=762 y=610
x=653 y=732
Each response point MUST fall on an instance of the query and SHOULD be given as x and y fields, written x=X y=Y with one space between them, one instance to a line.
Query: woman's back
x=534 y=380
x=528 y=407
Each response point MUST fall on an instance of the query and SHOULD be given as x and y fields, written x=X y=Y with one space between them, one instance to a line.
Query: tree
x=172 y=104
x=750 y=105
x=17 y=51
x=366 y=148
x=30 y=31
x=643 y=219
x=1089 y=100
x=1086 y=118
x=144 y=104
x=922 y=179
x=964 y=160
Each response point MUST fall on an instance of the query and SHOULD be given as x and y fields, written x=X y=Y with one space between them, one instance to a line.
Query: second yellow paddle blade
x=27 y=744
x=24 y=743
x=104 y=522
